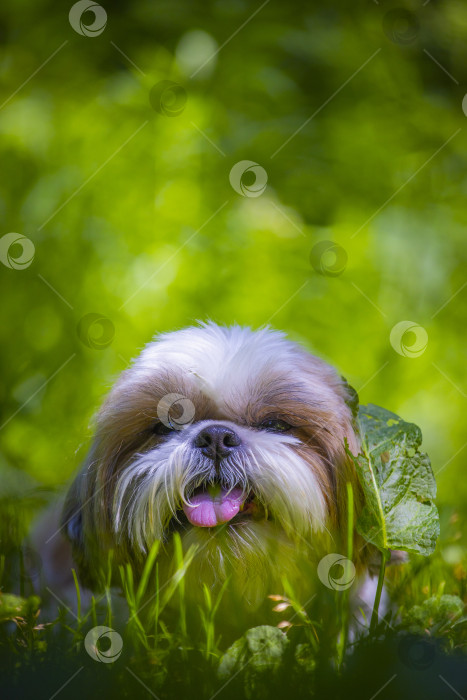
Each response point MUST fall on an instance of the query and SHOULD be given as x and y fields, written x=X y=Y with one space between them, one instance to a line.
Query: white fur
x=154 y=485
x=228 y=365
x=225 y=362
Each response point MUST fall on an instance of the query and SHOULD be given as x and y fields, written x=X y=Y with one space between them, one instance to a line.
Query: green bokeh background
x=120 y=202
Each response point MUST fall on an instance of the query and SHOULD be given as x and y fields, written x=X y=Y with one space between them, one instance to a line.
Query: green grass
x=173 y=646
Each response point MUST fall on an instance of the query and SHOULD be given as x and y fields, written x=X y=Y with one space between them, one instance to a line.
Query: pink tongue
x=208 y=510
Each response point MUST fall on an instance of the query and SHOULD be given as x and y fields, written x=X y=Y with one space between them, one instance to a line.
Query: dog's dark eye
x=275 y=426
x=162 y=429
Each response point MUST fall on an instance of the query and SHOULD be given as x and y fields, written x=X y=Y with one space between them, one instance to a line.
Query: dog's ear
x=73 y=528
x=72 y=515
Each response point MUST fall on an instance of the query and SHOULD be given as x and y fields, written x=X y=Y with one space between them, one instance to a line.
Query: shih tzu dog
x=235 y=439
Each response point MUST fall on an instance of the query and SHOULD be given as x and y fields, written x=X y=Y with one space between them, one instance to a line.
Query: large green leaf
x=398 y=484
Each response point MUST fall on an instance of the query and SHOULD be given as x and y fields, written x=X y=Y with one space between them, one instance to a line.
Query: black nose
x=217 y=441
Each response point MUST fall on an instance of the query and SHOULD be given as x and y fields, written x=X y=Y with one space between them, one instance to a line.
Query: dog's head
x=231 y=436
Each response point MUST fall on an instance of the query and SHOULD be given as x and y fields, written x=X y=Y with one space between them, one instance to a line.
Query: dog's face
x=235 y=438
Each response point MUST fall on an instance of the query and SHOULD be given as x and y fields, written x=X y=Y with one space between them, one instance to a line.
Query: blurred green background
x=133 y=218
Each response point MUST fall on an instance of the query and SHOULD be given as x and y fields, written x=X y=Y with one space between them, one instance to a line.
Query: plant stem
x=382 y=569
x=344 y=597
